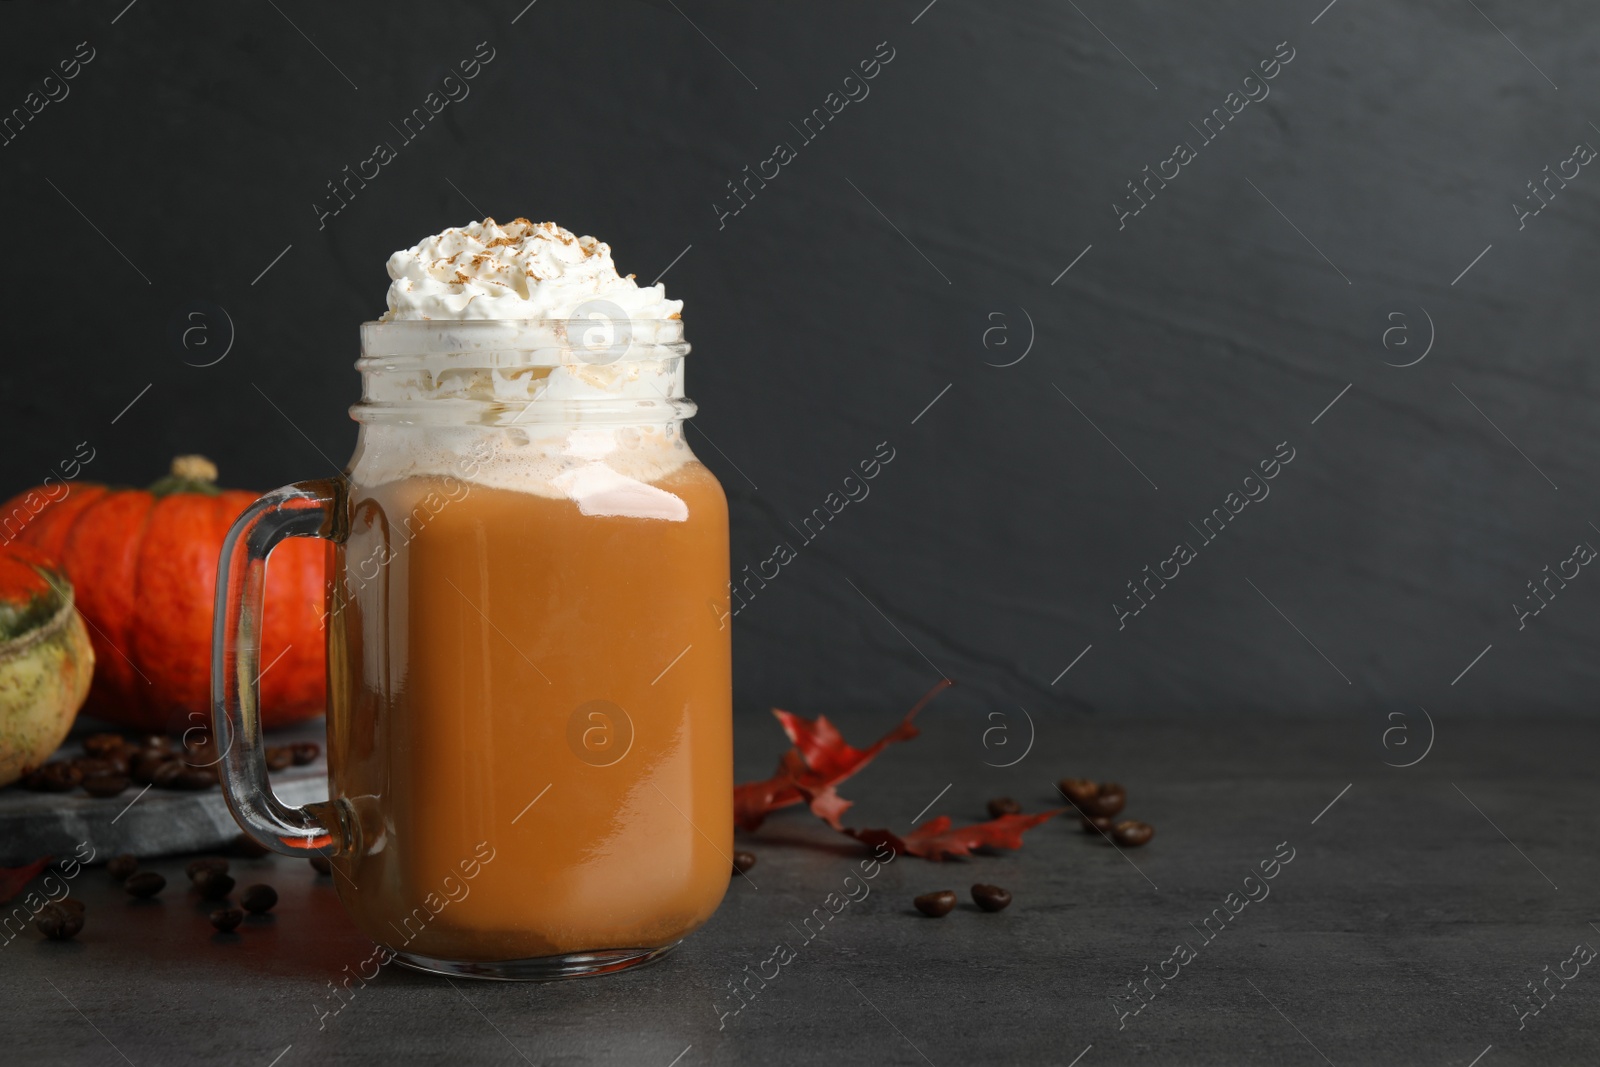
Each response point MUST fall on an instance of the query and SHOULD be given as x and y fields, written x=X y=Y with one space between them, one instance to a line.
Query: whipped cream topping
x=522 y=270
x=577 y=397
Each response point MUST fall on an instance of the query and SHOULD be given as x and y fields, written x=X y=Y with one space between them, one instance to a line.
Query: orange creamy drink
x=561 y=694
x=529 y=671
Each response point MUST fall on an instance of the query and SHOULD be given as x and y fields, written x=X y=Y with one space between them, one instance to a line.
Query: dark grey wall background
x=860 y=283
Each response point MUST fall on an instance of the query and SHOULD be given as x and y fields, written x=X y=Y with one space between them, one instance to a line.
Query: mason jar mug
x=529 y=676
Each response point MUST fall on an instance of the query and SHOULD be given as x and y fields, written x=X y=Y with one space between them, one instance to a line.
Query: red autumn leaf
x=935 y=840
x=828 y=806
x=819 y=759
x=14 y=879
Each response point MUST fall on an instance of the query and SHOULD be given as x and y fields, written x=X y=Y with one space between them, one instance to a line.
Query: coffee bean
x=119 y=867
x=57 y=776
x=191 y=779
x=1003 y=806
x=72 y=904
x=197 y=741
x=1132 y=833
x=225 y=919
x=1096 y=824
x=93 y=767
x=202 y=758
x=259 y=899
x=1080 y=791
x=206 y=863
x=119 y=762
x=158 y=741
x=213 y=884
x=66 y=776
x=145 y=763
x=279 y=757
x=59 y=923
x=1110 y=800
x=106 y=785
x=245 y=845
x=991 y=897
x=167 y=773
x=743 y=861
x=144 y=884
x=935 y=905
x=305 y=752
x=322 y=864
x=104 y=744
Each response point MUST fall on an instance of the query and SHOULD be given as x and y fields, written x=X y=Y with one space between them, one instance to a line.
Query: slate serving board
x=159 y=822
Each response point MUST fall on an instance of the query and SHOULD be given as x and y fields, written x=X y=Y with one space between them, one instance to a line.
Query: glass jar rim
x=472 y=323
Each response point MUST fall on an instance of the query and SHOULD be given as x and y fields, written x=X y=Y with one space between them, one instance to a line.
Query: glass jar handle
x=304 y=509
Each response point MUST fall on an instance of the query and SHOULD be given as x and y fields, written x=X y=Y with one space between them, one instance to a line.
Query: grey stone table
x=1418 y=904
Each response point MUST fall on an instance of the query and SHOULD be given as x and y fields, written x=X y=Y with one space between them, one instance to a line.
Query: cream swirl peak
x=520 y=270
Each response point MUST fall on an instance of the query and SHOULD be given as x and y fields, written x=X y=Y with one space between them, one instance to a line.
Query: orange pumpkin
x=144 y=565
